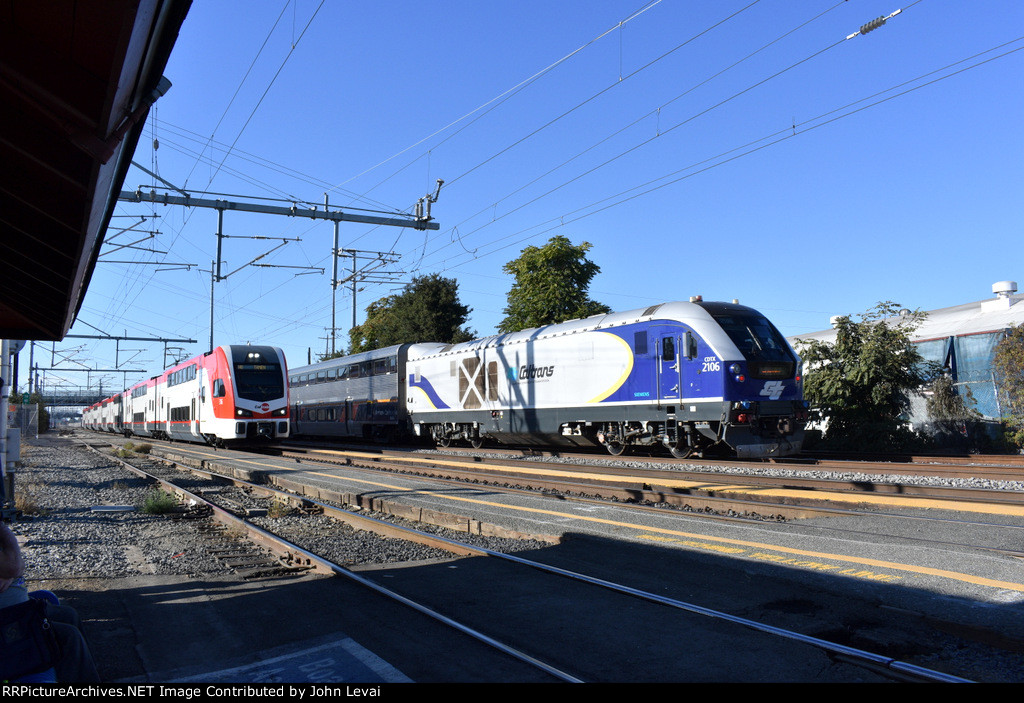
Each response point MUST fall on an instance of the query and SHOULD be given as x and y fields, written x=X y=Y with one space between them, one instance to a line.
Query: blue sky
x=732 y=149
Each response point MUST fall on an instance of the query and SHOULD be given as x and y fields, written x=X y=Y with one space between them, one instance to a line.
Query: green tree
x=945 y=404
x=861 y=383
x=428 y=310
x=551 y=285
x=954 y=422
x=1009 y=366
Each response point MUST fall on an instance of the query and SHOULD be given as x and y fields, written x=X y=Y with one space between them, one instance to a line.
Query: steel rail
x=646 y=484
x=586 y=492
x=855 y=655
x=326 y=566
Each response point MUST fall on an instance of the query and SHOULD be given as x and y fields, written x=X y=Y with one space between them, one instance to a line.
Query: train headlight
x=242 y=412
x=280 y=412
x=737 y=371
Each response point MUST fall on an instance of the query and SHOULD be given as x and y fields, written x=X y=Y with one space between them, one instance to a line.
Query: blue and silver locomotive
x=692 y=377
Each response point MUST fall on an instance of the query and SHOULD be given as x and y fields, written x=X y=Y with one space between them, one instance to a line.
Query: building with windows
x=962 y=339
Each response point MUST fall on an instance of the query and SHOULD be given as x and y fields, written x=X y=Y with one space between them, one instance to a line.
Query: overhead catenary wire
x=645 y=116
x=502 y=97
x=482 y=249
x=731 y=155
x=599 y=93
x=662 y=132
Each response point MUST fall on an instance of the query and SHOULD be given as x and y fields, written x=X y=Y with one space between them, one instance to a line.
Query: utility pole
x=368 y=273
x=421 y=220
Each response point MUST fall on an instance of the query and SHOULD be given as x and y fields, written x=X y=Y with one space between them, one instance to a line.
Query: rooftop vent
x=1002 y=301
x=1004 y=289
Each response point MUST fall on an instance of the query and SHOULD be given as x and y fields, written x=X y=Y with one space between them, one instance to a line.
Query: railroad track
x=703 y=499
x=718 y=497
x=994 y=467
x=661 y=481
x=235 y=511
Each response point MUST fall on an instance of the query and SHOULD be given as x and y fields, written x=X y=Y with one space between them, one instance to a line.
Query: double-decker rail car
x=693 y=377
x=89 y=416
x=110 y=414
x=233 y=394
x=140 y=409
x=357 y=396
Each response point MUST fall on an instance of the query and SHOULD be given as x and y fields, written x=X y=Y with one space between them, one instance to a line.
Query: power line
x=640 y=119
x=269 y=86
x=502 y=97
x=747 y=149
x=602 y=92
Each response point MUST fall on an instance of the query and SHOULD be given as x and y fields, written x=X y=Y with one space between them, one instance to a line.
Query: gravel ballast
x=83 y=519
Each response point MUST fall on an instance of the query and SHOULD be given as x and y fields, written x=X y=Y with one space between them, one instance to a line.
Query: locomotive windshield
x=760 y=343
x=259 y=382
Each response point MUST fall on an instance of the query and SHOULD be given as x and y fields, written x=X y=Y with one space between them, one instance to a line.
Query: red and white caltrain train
x=234 y=394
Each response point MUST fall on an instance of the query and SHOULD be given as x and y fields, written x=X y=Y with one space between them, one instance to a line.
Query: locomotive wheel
x=681 y=451
x=476 y=442
x=615 y=448
x=444 y=441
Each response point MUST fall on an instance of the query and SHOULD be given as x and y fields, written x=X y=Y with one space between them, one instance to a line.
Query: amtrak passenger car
x=694 y=377
x=359 y=396
x=232 y=395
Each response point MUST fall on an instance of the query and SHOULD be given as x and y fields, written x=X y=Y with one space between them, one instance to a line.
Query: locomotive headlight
x=241 y=412
x=735 y=368
x=737 y=371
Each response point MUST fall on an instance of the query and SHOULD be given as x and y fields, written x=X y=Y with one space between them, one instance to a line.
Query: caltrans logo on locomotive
x=527 y=373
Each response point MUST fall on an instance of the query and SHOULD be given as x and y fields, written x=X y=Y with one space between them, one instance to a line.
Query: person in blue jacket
x=75 y=663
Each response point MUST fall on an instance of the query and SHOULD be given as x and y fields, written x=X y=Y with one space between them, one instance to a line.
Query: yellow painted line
x=891 y=501
x=695 y=539
x=745 y=544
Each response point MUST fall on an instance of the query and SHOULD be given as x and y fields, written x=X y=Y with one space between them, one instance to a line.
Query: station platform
x=294 y=629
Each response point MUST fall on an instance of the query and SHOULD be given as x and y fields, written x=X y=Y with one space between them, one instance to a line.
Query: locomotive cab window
x=260 y=382
x=668 y=349
x=689 y=345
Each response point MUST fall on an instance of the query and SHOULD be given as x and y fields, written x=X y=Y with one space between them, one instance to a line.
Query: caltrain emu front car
x=234 y=394
x=695 y=377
